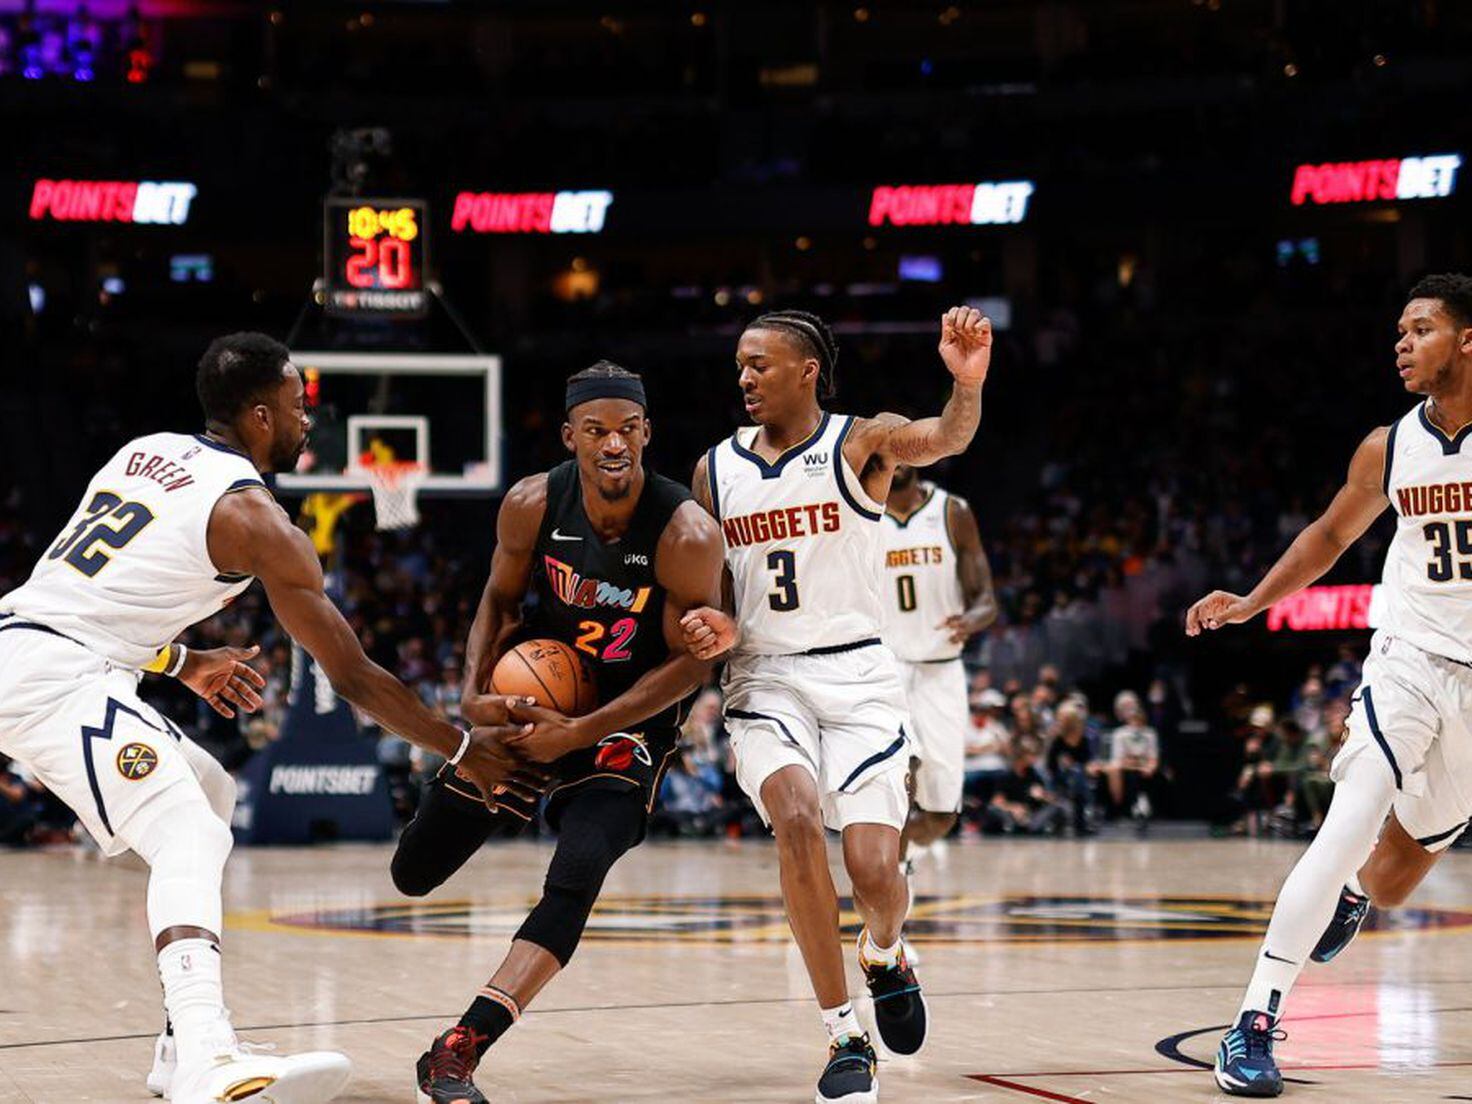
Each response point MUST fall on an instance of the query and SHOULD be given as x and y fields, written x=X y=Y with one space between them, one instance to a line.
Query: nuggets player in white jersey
x=814 y=702
x=937 y=595
x=1409 y=749
x=169 y=531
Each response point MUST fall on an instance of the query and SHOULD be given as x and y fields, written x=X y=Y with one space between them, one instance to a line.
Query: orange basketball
x=551 y=672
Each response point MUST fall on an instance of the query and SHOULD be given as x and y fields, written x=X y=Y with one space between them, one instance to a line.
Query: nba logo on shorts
x=137 y=761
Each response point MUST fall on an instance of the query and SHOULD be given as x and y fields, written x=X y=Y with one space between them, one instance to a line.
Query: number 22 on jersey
x=620 y=633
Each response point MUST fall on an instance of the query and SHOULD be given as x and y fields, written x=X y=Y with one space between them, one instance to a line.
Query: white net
x=395 y=487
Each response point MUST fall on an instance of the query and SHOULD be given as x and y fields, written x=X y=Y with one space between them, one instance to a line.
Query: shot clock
x=375 y=251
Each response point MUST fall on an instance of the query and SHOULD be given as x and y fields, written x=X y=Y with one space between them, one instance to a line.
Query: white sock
x=874 y=955
x=194 y=997
x=1353 y=883
x=1308 y=898
x=841 y=1021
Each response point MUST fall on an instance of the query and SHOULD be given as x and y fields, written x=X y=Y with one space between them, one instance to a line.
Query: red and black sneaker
x=444 y=1069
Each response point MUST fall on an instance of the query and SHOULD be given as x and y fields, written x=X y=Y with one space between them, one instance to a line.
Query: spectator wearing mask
x=988 y=747
x=1134 y=758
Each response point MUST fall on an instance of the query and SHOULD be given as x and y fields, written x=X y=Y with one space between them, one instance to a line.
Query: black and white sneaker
x=851 y=1076
x=899 y=1006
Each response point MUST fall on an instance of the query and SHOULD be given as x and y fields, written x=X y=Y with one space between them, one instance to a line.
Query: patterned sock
x=871 y=954
x=490 y=1016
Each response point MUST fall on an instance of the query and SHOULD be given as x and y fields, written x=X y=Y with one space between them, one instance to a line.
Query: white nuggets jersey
x=802 y=542
x=1427 y=585
x=921 y=584
x=131 y=569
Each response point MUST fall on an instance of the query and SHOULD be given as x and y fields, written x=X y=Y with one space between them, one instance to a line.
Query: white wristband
x=454 y=760
x=180 y=656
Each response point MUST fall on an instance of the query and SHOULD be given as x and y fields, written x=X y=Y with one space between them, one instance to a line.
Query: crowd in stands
x=1042 y=757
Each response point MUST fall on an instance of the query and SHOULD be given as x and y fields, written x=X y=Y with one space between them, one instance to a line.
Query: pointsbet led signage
x=950 y=204
x=153 y=202
x=1327 y=607
x=530 y=212
x=1370 y=181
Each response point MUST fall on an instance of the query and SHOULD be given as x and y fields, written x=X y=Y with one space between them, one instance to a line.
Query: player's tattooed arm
x=974 y=572
x=498 y=618
x=1314 y=551
x=875 y=445
x=250 y=534
x=687 y=562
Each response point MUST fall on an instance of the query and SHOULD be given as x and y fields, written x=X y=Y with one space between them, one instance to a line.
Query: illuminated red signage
x=530 y=212
x=142 y=201
x=950 y=204
x=1368 y=181
x=1325 y=607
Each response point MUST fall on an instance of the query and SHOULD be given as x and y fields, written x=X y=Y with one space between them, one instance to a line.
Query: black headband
x=605 y=387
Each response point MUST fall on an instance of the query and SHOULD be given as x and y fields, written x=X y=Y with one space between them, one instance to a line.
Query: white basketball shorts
x=76 y=721
x=1414 y=709
x=840 y=716
x=936 y=694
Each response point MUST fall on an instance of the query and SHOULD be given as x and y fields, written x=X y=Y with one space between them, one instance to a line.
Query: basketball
x=549 y=671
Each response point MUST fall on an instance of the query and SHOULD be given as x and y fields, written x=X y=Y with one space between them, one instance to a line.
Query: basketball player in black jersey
x=615 y=556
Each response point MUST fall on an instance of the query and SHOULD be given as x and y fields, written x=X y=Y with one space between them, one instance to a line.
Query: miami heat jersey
x=1427 y=585
x=604 y=599
x=921 y=586
x=802 y=542
x=131 y=569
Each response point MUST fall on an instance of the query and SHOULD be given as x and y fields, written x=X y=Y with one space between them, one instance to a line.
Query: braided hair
x=814 y=338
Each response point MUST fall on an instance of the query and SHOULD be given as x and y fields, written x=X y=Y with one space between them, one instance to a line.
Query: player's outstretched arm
x=687 y=563
x=250 y=534
x=974 y=572
x=1315 y=550
x=966 y=349
x=498 y=619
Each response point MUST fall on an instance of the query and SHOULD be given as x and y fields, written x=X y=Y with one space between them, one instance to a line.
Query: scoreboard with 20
x=375 y=252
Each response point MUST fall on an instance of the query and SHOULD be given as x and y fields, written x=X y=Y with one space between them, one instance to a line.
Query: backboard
x=441 y=410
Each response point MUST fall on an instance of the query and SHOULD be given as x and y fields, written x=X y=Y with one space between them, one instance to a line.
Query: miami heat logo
x=618 y=752
x=137 y=761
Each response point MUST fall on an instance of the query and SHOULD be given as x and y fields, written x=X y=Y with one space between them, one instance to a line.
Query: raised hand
x=966 y=344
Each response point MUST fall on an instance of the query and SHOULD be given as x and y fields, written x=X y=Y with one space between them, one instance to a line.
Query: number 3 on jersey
x=784 y=599
x=94 y=529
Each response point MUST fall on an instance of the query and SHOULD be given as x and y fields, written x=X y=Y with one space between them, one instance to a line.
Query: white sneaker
x=311 y=1078
x=165 y=1062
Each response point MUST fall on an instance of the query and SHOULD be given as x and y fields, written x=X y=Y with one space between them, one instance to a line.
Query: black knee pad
x=597 y=828
x=411 y=876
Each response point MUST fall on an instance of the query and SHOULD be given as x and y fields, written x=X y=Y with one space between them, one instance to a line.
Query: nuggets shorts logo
x=618 y=752
x=137 y=761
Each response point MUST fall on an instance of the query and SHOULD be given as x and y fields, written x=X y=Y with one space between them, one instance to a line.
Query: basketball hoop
x=395 y=485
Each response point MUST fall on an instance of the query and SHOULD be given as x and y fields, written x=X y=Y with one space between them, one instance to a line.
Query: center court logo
x=958 y=920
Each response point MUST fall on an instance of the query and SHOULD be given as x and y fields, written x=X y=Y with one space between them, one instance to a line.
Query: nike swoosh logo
x=563 y=536
x=1275 y=958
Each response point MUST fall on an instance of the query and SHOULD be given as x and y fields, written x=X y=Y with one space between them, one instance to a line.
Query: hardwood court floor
x=1054 y=970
